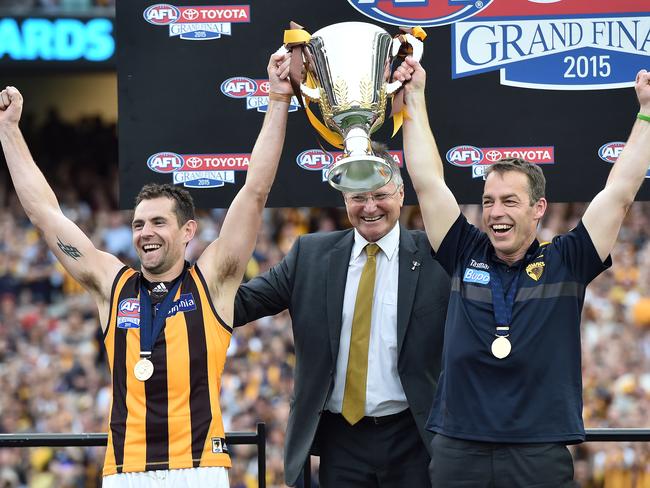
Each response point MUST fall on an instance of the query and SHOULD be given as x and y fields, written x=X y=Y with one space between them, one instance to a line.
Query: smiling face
x=158 y=239
x=375 y=218
x=509 y=219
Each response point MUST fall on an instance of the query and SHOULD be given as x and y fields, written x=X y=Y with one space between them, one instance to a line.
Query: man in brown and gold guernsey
x=167 y=326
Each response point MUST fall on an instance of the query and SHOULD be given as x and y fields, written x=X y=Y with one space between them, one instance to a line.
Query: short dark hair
x=535 y=175
x=381 y=151
x=183 y=202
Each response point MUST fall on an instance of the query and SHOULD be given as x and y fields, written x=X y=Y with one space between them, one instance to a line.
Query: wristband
x=280 y=97
x=641 y=116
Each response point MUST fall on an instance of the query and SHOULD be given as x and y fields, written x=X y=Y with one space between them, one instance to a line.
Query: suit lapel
x=337 y=272
x=409 y=272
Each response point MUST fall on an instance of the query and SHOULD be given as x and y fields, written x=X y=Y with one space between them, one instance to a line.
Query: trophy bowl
x=350 y=65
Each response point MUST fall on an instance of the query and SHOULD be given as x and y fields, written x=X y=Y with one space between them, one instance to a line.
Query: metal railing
x=257 y=438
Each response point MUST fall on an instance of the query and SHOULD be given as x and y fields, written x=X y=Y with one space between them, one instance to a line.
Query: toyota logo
x=194 y=162
x=493 y=155
x=265 y=87
x=191 y=13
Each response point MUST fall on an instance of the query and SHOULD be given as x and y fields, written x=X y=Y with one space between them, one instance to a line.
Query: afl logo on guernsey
x=128 y=314
x=424 y=13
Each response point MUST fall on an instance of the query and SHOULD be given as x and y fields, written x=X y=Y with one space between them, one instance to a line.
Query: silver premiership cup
x=351 y=65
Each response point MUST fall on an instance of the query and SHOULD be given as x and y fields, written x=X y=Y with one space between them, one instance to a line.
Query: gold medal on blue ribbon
x=501 y=347
x=143 y=369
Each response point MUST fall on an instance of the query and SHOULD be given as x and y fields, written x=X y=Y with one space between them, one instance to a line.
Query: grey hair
x=381 y=150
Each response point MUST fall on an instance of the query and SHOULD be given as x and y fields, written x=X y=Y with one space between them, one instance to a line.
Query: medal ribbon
x=503 y=303
x=151 y=327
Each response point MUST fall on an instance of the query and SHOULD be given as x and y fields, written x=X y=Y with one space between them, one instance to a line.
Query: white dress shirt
x=384 y=392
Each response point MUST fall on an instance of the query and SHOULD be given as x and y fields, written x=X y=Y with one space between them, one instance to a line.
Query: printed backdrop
x=547 y=80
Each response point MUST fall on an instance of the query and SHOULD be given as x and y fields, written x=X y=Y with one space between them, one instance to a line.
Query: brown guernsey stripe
x=200 y=411
x=119 y=411
x=157 y=426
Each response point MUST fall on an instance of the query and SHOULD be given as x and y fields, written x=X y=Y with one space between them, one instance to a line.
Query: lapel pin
x=415 y=265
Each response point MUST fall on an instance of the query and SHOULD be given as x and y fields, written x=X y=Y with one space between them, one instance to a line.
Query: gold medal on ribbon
x=501 y=347
x=143 y=369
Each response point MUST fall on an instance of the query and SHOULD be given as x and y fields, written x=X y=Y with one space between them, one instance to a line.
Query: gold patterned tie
x=354 y=397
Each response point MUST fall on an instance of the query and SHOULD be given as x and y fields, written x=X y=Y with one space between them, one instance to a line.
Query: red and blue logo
x=255 y=91
x=559 y=45
x=541 y=44
x=314 y=160
x=165 y=162
x=480 y=158
x=162 y=14
x=199 y=170
x=319 y=160
x=425 y=13
x=197 y=23
x=128 y=314
x=239 y=87
x=464 y=155
x=611 y=151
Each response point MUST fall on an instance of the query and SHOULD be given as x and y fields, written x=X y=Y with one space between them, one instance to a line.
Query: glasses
x=361 y=199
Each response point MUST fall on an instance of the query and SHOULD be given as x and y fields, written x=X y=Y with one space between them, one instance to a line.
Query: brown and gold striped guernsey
x=173 y=420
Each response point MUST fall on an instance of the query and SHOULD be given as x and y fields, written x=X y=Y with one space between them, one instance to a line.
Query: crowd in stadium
x=53 y=374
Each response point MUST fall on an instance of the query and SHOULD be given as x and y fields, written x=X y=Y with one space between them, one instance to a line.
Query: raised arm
x=94 y=269
x=437 y=203
x=605 y=213
x=224 y=261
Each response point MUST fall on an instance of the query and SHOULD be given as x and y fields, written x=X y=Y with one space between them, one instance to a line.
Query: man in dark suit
x=363 y=387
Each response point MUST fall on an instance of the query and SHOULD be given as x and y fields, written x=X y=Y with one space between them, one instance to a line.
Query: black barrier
x=257 y=438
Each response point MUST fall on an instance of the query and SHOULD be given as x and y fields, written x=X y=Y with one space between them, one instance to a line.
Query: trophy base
x=359 y=174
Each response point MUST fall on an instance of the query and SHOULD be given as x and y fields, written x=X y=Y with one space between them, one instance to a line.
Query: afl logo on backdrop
x=609 y=152
x=425 y=13
x=314 y=159
x=165 y=162
x=161 y=14
x=238 y=87
x=464 y=155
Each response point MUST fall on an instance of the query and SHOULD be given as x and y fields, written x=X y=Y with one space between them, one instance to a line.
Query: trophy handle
x=313 y=93
x=410 y=45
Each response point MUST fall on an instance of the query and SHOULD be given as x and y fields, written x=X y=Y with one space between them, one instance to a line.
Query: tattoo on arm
x=68 y=249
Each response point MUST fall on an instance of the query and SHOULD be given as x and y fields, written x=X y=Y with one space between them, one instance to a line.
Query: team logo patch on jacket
x=535 y=270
